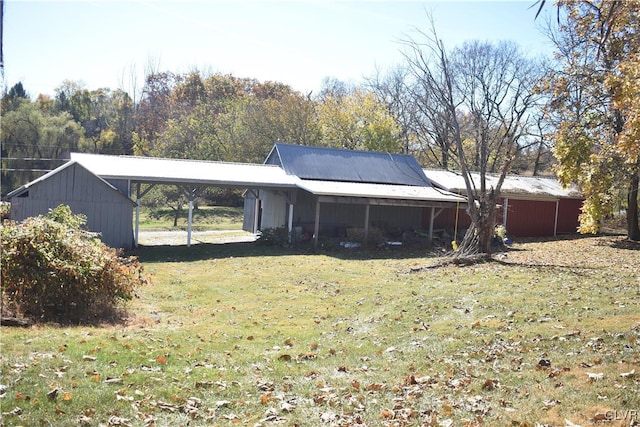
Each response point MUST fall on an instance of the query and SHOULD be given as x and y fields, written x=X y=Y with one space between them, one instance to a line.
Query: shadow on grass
x=204 y=251
x=624 y=243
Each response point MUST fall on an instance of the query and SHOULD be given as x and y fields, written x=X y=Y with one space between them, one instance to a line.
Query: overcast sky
x=104 y=43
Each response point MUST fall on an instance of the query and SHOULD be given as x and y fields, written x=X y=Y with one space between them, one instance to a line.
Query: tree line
x=479 y=107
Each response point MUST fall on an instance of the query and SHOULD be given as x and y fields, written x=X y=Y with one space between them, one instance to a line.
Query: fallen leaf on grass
x=386 y=414
x=266 y=398
x=375 y=387
x=53 y=394
x=205 y=384
x=287 y=407
x=83 y=420
x=490 y=384
x=15 y=411
x=595 y=376
x=629 y=374
x=230 y=417
x=550 y=403
x=118 y=421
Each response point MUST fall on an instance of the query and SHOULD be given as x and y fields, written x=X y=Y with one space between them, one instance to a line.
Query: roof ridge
x=124 y=156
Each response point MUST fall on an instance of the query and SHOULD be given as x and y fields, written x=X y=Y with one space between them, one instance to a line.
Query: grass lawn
x=244 y=334
x=205 y=218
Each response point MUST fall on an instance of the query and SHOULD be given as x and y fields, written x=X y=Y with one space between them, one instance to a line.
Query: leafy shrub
x=274 y=237
x=54 y=270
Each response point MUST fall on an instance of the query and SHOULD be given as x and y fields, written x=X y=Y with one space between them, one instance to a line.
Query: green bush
x=274 y=237
x=53 y=270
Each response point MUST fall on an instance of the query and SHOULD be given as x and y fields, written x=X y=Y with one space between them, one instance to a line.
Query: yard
x=243 y=334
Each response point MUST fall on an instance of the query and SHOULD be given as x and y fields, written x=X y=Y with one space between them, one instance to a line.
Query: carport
x=128 y=173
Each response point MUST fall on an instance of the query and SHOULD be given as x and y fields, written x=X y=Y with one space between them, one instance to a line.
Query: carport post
x=433 y=217
x=137 y=231
x=505 y=211
x=189 y=222
x=290 y=222
x=366 y=222
x=316 y=226
x=256 y=213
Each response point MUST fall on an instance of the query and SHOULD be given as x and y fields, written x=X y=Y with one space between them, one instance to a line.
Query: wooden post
x=316 y=227
x=431 y=220
x=366 y=222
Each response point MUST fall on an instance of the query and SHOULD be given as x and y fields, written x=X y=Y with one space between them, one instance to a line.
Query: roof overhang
x=185 y=172
x=379 y=194
x=514 y=186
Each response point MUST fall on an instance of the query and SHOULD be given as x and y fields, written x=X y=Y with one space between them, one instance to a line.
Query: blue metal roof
x=333 y=164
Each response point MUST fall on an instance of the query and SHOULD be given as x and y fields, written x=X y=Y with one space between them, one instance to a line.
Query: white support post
x=137 y=229
x=290 y=222
x=316 y=227
x=505 y=208
x=256 y=212
x=189 y=221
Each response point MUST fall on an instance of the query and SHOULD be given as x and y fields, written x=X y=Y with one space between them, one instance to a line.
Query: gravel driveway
x=154 y=238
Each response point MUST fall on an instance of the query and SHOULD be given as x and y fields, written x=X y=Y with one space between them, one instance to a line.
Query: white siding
x=274 y=209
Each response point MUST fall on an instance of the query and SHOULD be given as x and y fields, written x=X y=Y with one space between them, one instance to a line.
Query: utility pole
x=2 y=43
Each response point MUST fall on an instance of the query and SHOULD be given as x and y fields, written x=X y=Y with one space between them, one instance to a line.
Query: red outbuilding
x=528 y=206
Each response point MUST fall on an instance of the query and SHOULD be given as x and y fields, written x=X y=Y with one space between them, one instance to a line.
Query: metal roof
x=378 y=191
x=176 y=171
x=332 y=164
x=513 y=186
x=244 y=175
x=22 y=189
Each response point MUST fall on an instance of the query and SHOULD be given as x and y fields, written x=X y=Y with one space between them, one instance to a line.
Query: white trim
x=505 y=209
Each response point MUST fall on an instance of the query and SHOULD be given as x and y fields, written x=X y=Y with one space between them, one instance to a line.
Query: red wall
x=525 y=218
x=568 y=213
x=530 y=218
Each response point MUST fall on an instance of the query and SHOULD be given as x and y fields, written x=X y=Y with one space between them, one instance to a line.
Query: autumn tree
x=106 y=116
x=357 y=120
x=35 y=139
x=490 y=87
x=593 y=94
x=393 y=89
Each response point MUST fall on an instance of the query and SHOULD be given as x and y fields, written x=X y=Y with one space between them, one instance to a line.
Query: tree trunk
x=633 y=229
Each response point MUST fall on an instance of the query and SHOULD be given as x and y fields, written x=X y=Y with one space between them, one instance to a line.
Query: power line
x=26 y=170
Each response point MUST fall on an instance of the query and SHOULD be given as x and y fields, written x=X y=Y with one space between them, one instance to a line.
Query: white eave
x=514 y=186
x=175 y=171
x=378 y=191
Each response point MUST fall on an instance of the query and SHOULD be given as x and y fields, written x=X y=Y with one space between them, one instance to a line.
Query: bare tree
x=491 y=87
